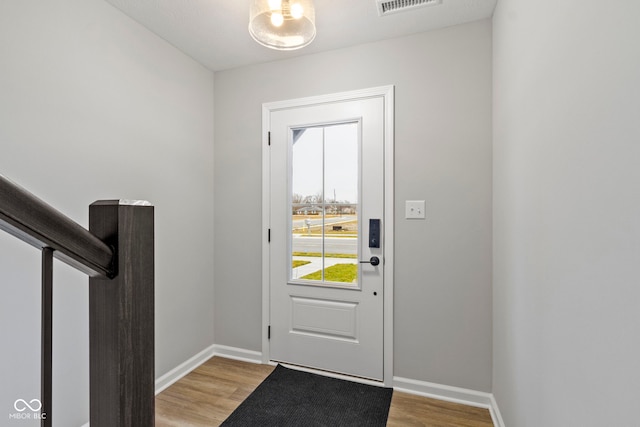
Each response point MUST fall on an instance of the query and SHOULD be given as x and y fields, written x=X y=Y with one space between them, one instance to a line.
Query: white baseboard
x=214 y=350
x=496 y=416
x=447 y=393
x=237 y=353
x=183 y=369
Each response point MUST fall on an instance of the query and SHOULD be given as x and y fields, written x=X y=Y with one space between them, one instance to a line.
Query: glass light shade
x=282 y=24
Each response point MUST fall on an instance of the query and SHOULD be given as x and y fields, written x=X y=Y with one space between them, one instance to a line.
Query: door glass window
x=324 y=204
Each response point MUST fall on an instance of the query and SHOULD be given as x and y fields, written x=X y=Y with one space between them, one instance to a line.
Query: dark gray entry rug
x=288 y=397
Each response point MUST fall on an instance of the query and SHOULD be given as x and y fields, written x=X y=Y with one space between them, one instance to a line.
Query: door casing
x=387 y=93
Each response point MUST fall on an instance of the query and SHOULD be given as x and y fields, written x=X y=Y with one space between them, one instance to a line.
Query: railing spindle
x=46 y=347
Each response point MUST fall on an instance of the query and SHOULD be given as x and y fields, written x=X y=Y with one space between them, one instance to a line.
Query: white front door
x=327 y=241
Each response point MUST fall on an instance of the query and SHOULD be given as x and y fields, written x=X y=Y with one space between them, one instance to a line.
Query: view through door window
x=324 y=204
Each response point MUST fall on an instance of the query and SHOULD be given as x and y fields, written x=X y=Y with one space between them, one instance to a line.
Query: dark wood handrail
x=30 y=219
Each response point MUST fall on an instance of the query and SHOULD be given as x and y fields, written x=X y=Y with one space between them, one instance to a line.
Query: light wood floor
x=208 y=395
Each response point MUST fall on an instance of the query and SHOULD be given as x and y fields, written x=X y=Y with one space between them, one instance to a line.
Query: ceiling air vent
x=386 y=7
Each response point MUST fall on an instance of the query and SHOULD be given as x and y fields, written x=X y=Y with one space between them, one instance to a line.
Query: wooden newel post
x=121 y=318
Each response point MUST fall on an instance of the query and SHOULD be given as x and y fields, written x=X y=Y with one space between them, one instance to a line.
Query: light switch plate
x=414 y=209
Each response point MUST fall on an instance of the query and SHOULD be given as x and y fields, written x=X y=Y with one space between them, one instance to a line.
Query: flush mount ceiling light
x=282 y=24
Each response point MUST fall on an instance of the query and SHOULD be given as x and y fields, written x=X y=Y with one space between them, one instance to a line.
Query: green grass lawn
x=344 y=273
x=318 y=254
x=298 y=263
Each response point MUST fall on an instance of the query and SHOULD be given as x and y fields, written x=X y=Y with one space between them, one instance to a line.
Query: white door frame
x=387 y=93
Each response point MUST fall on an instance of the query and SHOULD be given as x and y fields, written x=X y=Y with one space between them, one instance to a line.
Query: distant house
x=308 y=210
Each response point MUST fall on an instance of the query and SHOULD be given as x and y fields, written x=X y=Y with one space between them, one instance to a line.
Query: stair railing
x=117 y=253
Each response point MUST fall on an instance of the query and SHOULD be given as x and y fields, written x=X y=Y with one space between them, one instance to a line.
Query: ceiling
x=214 y=32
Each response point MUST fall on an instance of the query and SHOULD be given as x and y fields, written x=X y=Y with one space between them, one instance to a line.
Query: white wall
x=443 y=155
x=567 y=213
x=93 y=106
